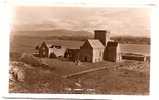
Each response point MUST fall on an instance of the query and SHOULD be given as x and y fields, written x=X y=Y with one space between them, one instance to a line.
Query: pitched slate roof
x=94 y=43
x=57 y=52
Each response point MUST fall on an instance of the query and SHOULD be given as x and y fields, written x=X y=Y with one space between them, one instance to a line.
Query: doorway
x=85 y=59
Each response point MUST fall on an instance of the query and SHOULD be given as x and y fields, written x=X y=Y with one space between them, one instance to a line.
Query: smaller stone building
x=51 y=51
x=72 y=54
x=92 y=51
x=112 y=51
x=44 y=50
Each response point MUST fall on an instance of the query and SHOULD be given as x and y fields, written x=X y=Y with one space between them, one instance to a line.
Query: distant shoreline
x=120 y=39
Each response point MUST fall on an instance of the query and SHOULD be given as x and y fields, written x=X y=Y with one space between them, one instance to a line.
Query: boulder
x=22 y=72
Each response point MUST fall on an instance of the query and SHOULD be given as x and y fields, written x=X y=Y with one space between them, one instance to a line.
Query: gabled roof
x=57 y=52
x=48 y=45
x=94 y=43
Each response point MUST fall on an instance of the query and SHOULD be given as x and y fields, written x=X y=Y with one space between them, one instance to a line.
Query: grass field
x=126 y=77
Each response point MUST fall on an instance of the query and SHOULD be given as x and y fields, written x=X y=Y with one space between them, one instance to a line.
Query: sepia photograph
x=80 y=50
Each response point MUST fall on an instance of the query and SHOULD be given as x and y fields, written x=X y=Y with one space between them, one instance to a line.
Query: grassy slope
x=127 y=77
x=118 y=78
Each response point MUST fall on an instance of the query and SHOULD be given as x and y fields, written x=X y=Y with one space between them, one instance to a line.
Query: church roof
x=94 y=43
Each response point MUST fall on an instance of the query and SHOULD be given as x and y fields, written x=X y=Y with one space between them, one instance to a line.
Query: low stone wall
x=134 y=57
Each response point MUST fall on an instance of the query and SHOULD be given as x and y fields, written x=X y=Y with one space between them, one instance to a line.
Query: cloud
x=120 y=21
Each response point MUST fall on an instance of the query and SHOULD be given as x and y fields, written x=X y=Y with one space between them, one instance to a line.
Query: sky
x=119 y=21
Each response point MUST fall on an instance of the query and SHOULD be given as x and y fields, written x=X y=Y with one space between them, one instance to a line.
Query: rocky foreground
x=29 y=74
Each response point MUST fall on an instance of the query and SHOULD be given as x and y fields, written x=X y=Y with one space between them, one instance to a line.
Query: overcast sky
x=120 y=21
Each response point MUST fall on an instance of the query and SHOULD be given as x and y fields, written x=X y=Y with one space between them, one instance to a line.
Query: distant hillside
x=132 y=40
x=55 y=33
x=63 y=34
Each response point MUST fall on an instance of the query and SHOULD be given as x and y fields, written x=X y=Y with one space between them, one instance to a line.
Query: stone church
x=100 y=48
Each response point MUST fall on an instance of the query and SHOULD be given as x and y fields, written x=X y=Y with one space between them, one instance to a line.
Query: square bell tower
x=103 y=36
